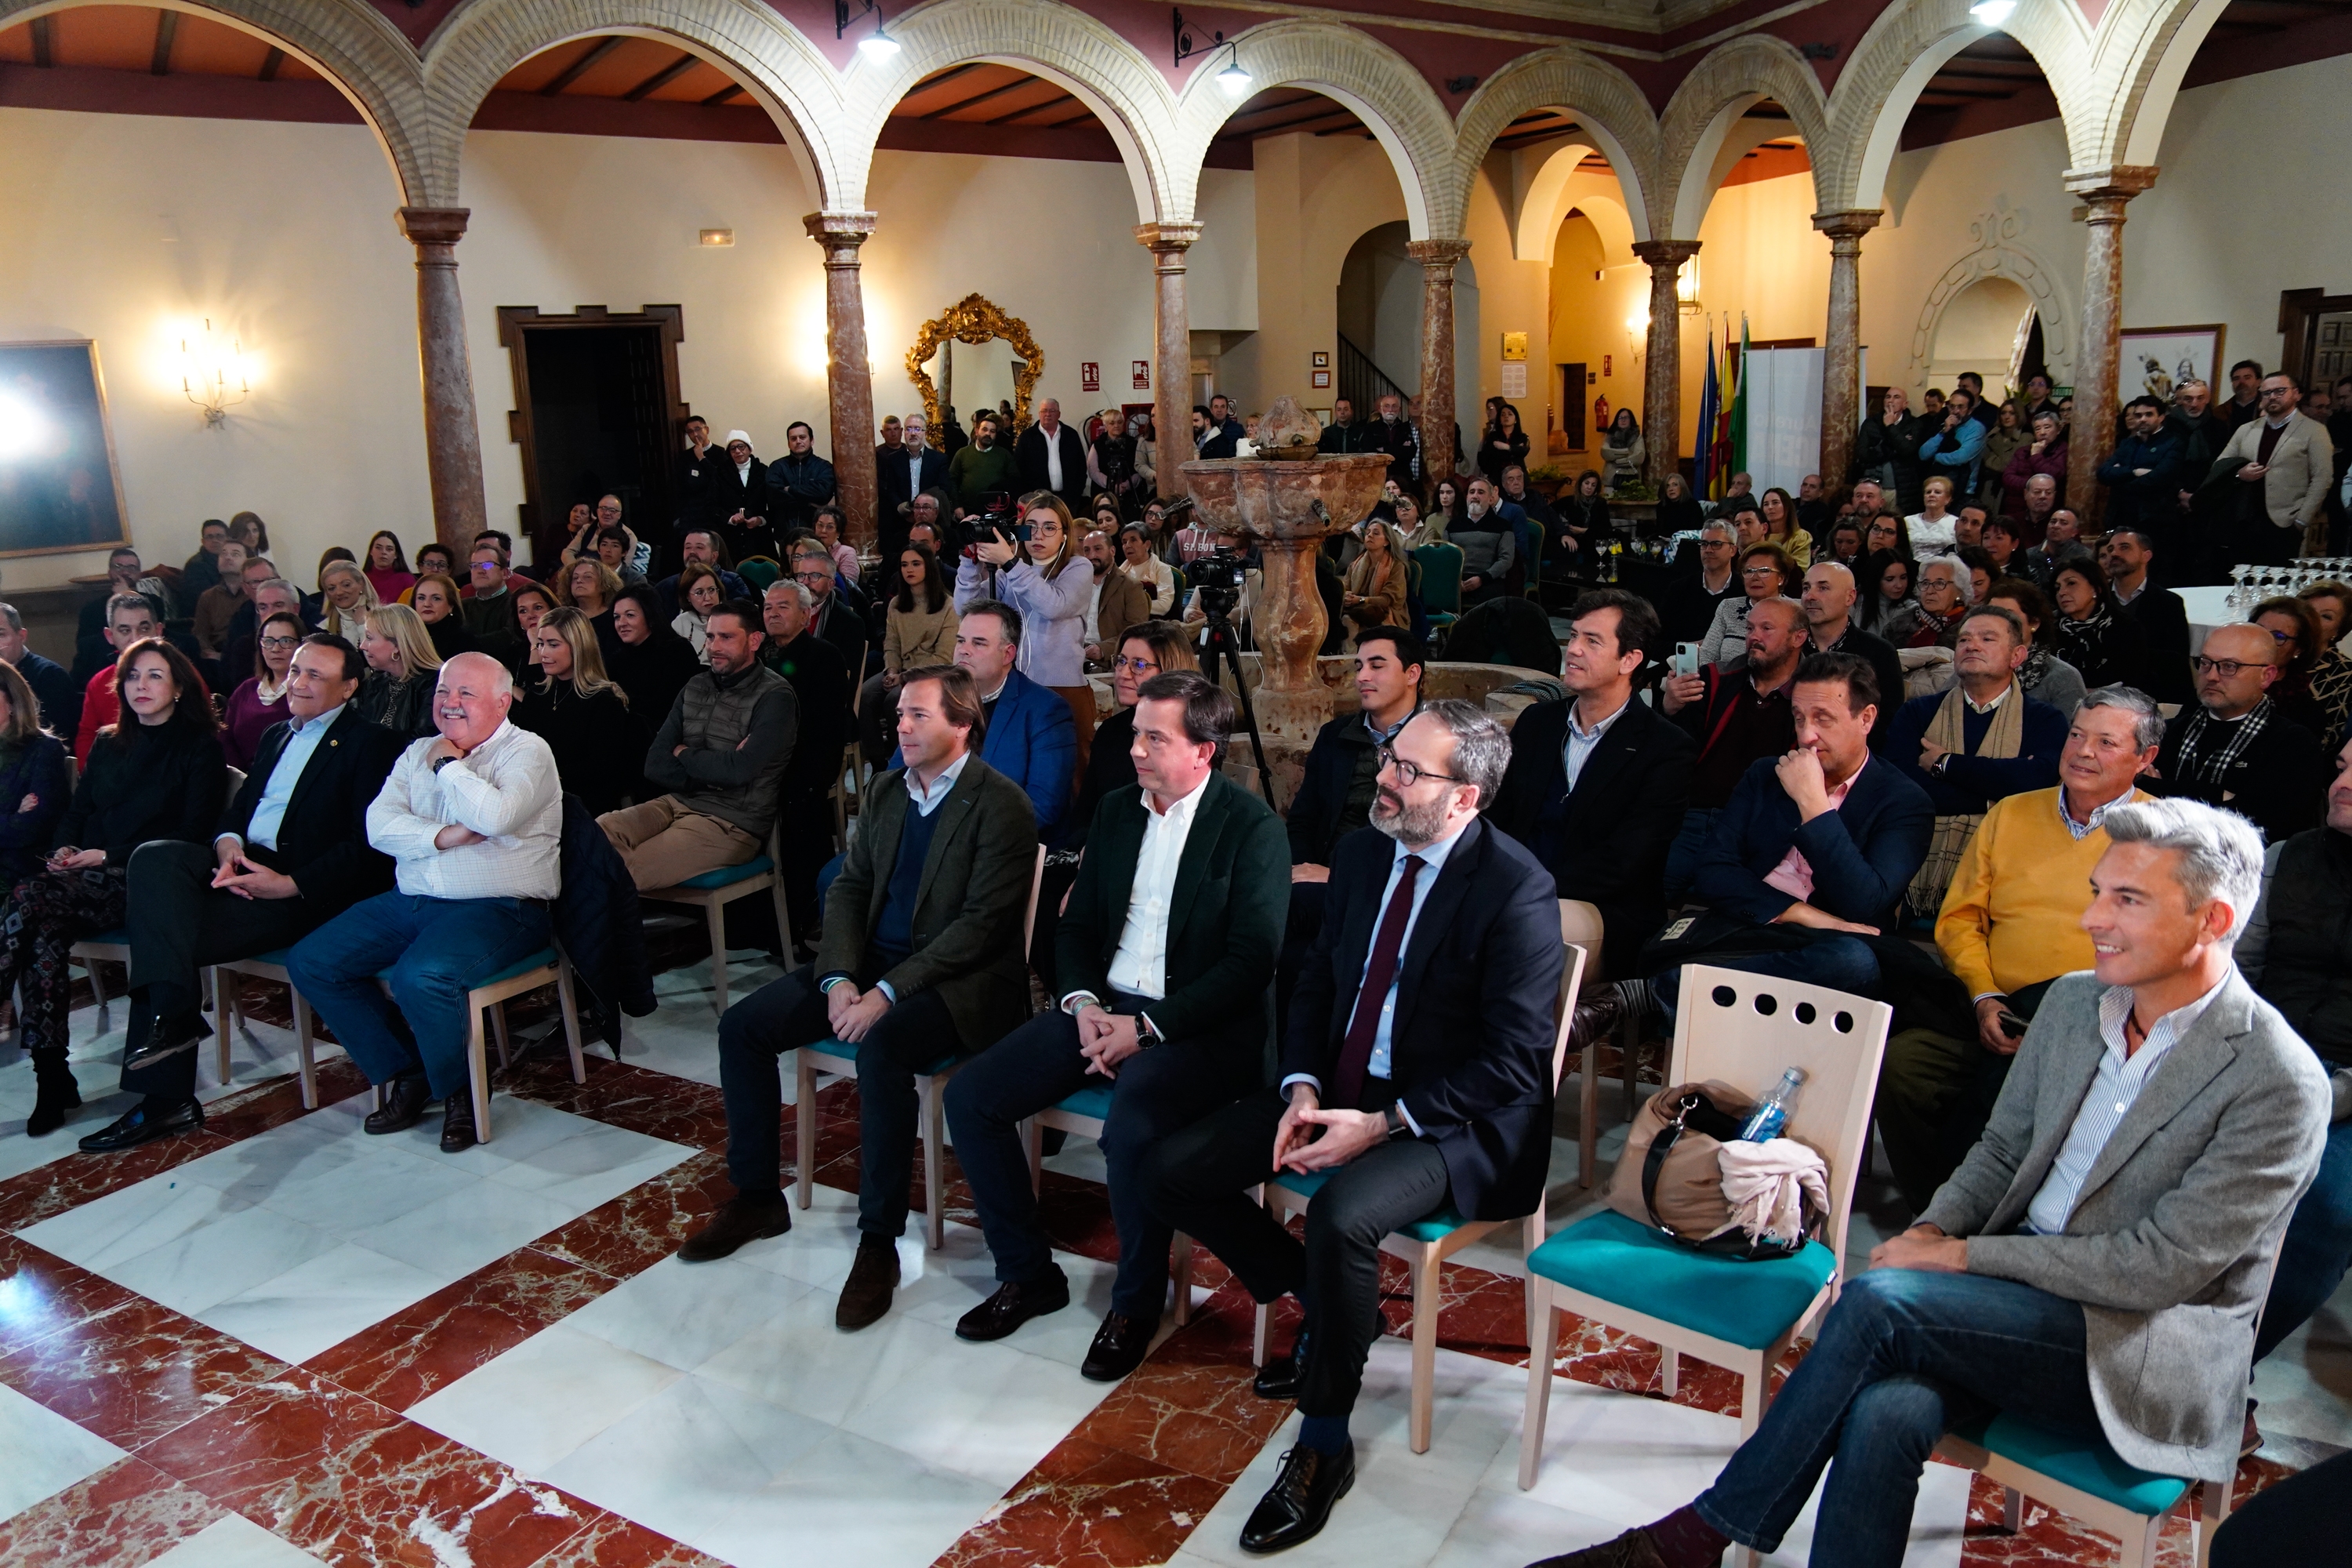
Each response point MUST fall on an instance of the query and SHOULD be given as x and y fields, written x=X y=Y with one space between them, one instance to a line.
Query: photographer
x=1052 y=585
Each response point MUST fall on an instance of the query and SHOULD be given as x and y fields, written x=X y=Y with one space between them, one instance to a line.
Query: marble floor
x=282 y=1342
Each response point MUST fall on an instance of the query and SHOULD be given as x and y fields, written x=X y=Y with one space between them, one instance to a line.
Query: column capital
x=839 y=228
x=2113 y=185
x=1666 y=253
x=1437 y=252
x=434 y=225
x=1160 y=238
x=1852 y=223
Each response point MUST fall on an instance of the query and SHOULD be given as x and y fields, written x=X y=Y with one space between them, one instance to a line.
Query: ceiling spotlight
x=1992 y=13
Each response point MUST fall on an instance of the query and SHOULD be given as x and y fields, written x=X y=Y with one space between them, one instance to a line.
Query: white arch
x=1545 y=201
x=1609 y=108
x=1998 y=252
x=1883 y=133
x=2167 y=46
x=1725 y=85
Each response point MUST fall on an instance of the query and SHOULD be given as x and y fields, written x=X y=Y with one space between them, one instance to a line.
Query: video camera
x=999 y=519
x=1219 y=577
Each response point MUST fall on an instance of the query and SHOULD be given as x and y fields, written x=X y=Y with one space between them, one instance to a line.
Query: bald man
x=1828 y=597
x=472 y=818
x=2234 y=748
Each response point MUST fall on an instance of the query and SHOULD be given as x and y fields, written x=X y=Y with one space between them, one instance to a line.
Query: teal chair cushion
x=118 y=938
x=844 y=1051
x=544 y=958
x=2087 y=1465
x=727 y=876
x=1750 y=1304
x=1435 y=1227
x=1092 y=1100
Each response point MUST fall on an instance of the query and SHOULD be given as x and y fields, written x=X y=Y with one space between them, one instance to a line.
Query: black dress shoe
x=457 y=1124
x=1281 y=1379
x=404 y=1105
x=1013 y=1305
x=873 y=1280
x=745 y=1217
x=1299 y=1504
x=1119 y=1347
x=1634 y=1549
x=169 y=1038
x=143 y=1123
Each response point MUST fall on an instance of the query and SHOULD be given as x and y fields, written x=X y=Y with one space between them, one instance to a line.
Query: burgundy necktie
x=1356 y=1053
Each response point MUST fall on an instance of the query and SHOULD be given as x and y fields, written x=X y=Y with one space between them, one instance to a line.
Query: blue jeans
x=1839 y=962
x=1902 y=1357
x=1682 y=854
x=437 y=949
x=2318 y=1246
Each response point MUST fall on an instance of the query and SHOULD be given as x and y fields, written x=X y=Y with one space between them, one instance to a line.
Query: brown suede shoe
x=873 y=1278
x=1632 y=1550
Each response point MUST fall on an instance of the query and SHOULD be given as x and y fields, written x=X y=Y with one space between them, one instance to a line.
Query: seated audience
x=53 y=688
x=1813 y=851
x=1736 y=715
x=1375 y=590
x=490 y=609
x=592 y=588
x=1946 y=587
x=1934 y=531
x=435 y=599
x=2078 y=1284
x=386 y=565
x=346 y=595
x=1492 y=561
x=402 y=670
x=430 y=557
x=2160 y=615
x=93 y=653
x=2234 y=748
x=472 y=819
x=290 y=853
x=1115 y=603
x=1029 y=737
x=34 y=772
x=919 y=631
x=260 y=702
x=1136 y=558
x=1166 y=947
x=1765 y=572
x=812 y=668
x=837 y=614
x=2045 y=676
x=2095 y=633
x=2295 y=629
x=216 y=607
x=921 y=960
x=1599 y=780
x=698 y=594
x=1778 y=508
x=703 y=547
x=579 y=710
x=1582 y=515
x=719 y=753
x=825 y=524
x=2009 y=926
x=201 y=570
x=156 y=772
x=1828 y=597
x=1890 y=611
x=265 y=594
x=1418 y=1087
x=643 y=654
x=2331 y=673
x=130 y=619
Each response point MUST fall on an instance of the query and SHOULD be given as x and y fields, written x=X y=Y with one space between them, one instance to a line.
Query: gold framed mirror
x=975 y=320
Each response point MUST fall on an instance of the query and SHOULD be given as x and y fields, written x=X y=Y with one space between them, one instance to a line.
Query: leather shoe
x=1600 y=1009
x=1013 y=1305
x=403 y=1108
x=1299 y=1504
x=166 y=1039
x=143 y=1123
x=1119 y=1347
x=741 y=1219
x=1634 y=1549
x=873 y=1278
x=1281 y=1379
x=457 y=1124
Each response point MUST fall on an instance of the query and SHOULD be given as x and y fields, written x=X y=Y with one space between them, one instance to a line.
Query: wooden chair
x=1426 y=1243
x=840 y=1059
x=1741 y=1029
x=713 y=890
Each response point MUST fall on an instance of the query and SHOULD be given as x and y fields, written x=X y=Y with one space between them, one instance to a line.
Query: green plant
x=1549 y=473
x=1633 y=489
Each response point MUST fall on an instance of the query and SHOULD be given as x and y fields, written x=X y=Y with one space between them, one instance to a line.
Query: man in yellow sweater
x=2009 y=926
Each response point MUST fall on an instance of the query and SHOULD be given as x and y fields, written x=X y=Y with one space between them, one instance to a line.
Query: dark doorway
x=2316 y=330
x=598 y=411
x=1572 y=403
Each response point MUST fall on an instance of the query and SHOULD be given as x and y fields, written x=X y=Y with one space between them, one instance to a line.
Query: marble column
x=1662 y=369
x=2099 y=358
x=1841 y=353
x=1438 y=416
x=1171 y=368
x=453 y=431
x=848 y=373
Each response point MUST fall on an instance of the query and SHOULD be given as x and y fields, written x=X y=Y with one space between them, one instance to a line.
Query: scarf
x=2084 y=643
x=2036 y=668
x=2204 y=772
x=2000 y=741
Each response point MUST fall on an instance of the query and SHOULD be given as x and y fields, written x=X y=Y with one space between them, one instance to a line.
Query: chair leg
x=478 y=1070
x=784 y=917
x=1262 y=1335
x=498 y=1031
x=715 y=914
x=1425 y=1345
x=1032 y=1144
x=570 y=1005
x=805 y=1129
x=2012 y=1510
x=2215 y=1501
x=1545 y=1342
x=1670 y=1372
x=934 y=1114
x=1588 y=1114
x=223 y=983
x=98 y=990
x=1629 y=1042
x=1181 y=1272
x=1755 y=1391
x=305 y=1038
x=2148 y=1534
x=1531 y=1236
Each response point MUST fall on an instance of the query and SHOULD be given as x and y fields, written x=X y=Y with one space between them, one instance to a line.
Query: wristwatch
x=1146 y=1035
x=440 y=763
x=1393 y=1118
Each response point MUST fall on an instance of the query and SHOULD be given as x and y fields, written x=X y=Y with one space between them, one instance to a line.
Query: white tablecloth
x=2207 y=607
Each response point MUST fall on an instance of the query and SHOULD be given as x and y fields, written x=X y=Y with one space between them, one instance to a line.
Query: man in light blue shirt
x=1954 y=446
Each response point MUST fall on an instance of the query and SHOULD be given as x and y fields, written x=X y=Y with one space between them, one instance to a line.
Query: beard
x=1406 y=824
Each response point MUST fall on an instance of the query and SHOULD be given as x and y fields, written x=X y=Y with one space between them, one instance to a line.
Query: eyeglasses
x=1136 y=666
x=1408 y=774
x=2227 y=668
x=813 y=576
x=1759 y=572
x=279 y=645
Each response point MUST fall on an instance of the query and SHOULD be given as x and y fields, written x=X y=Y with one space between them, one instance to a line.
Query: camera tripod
x=1220 y=641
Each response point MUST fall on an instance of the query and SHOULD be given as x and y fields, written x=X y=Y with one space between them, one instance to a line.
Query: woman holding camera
x=1050 y=583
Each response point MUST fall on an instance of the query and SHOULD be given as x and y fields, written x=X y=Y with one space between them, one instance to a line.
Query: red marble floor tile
x=1087 y=1506
x=454 y=1331
x=1189 y=1407
x=612 y=1542
x=273 y=1102
x=622 y=1094
x=644 y=1224
x=128 y=1512
x=135 y=1373
x=75 y=1179
x=348 y=1480
x=41 y=1293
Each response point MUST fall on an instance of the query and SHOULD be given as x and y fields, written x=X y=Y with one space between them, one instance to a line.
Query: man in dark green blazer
x=923 y=960
x=1165 y=953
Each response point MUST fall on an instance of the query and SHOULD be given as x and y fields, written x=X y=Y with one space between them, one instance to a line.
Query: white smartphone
x=1685 y=659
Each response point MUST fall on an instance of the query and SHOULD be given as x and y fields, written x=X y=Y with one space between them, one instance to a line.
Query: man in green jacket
x=985 y=468
x=1164 y=958
x=923 y=960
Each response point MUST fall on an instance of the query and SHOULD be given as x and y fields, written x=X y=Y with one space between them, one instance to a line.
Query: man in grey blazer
x=2096 y=1265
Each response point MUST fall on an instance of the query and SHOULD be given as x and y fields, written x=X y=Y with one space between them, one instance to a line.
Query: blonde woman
x=1374 y=594
x=579 y=710
x=397 y=692
x=590 y=588
x=347 y=596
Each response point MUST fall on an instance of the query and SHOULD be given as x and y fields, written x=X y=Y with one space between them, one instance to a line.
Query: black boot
x=56 y=1093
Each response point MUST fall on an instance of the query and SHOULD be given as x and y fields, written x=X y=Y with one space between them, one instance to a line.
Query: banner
x=1782 y=395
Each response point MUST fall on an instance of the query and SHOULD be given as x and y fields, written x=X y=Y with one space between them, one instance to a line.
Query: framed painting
x=2157 y=360
x=60 y=488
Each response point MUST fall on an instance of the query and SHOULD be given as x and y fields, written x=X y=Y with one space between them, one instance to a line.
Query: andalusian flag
x=1707 y=480
x=1738 y=460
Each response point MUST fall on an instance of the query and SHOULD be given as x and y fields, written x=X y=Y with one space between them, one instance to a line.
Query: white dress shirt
x=1139 y=966
x=1578 y=747
x=2113 y=1089
x=506 y=790
x=277 y=790
x=1053 y=457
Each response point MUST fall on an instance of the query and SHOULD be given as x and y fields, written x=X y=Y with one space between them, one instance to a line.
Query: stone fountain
x=1285 y=501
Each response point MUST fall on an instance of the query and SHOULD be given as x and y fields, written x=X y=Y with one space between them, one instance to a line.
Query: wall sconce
x=1686 y=287
x=879 y=44
x=210 y=377
x=1232 y=78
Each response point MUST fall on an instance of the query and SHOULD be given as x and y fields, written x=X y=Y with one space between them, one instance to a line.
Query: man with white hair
x=2096 y=1264
x=472 y=818
x=1053 y=457
x=902 y=474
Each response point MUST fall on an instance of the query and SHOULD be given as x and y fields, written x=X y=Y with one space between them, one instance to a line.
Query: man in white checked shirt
x=473 y=820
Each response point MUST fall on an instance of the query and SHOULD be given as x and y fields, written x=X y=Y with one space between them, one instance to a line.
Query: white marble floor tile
x=849 y=1500
x=682 y=1314
x=989 y=1411
x=208 y=1265
x=540 y=1401
x=595 y=1163
x=42 y=1453
x=122 y=1225
x=467 y=1229
x=321 y=1303
x=234 y=1540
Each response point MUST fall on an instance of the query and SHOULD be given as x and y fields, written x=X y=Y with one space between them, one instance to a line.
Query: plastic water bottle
x=1765 y=1122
